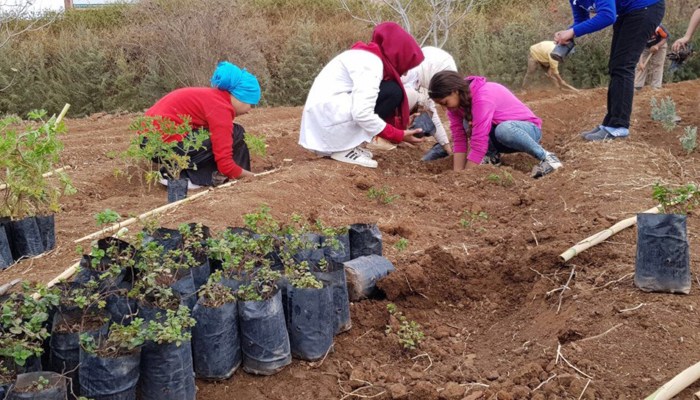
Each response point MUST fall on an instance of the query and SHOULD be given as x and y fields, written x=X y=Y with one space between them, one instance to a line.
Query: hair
x=444 y=83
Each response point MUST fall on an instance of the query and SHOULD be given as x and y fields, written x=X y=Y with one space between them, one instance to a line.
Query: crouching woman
x=224 y=154
x=489 y=120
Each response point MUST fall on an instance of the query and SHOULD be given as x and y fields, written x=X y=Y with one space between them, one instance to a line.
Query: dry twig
x=602 y=334
x=560 y=355
x=545 y=382
x=584 y=389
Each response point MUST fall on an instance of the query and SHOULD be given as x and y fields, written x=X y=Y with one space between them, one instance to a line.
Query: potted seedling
x=30 y=199
x=663 y=255
x=80 y=310
x=110 y=365
x=264 y=338
x=167 y=143
x=42 y=385
x=309 y=305
x=23 y=327
x=216 y=345
x=166 y=358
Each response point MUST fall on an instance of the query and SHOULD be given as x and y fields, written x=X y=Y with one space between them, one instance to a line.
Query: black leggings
x=389 y=99
x=204 y=158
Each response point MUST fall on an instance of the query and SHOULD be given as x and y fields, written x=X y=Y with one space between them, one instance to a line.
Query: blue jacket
x=606 y=13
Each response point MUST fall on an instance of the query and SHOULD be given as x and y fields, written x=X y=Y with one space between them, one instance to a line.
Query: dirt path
x=480 y=293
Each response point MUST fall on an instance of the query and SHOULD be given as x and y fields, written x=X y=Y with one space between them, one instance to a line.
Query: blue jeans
x=515 y=137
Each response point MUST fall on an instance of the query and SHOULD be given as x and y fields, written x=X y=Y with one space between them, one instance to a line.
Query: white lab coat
x=418 y=79
x=339 y=111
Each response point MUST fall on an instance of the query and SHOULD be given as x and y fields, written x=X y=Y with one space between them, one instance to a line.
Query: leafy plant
x=256 y=144
x=214 y=294
x=121 y=339
x=409 y=333
x=680 y=200
x=506 y=180
x=22 y=318
x=107 y=217
x=173 y=328
x=470 y=220
x=38 y=385
x=401 y=244
x=689 y=140
x=166 y=142
x=25 y=157
x=381 y=195
x=664 y=112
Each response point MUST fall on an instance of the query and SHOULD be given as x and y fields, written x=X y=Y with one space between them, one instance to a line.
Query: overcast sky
x=38 y=5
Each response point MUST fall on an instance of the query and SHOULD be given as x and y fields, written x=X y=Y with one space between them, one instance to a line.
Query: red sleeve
x=221 y=130
x=392 y=134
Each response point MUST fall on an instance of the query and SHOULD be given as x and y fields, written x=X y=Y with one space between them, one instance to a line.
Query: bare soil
x=488 y=296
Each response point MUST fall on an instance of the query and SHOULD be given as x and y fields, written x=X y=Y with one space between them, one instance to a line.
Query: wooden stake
x=601 y=236
x=64 y=276
x=62 y=114
x=46 y=175
x=677 y=384
x=158 y=210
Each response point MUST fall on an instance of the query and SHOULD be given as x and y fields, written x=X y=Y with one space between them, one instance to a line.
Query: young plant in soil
x=689 y=140
x=165 y=142
x=173 y=328
x=383 y=196
x=22 y=323
x=256 y=145
x=121 y=340
x=214 y=294
x=262 y=285
x=681 y=200
x=401 y=244
x=408 y=333
x=107 y=217
x=505 y=180
x=664 y=112
x=24 y=158
x=472 y=220
x=158 y=270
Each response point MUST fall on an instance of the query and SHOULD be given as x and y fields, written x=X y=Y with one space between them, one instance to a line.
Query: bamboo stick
x=599 y=237
x=158 y=210
x=63 y=276
x=62 y=114
x=677 y=384
x=696 y=396
x=46 y=175
x=147 y=214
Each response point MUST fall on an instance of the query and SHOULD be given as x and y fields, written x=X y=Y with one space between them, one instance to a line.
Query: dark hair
x=444 y=83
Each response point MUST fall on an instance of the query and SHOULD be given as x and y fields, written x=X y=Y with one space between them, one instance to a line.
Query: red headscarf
x=399 y=52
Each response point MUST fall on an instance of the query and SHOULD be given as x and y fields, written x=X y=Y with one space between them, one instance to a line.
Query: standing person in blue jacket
x=633 y=22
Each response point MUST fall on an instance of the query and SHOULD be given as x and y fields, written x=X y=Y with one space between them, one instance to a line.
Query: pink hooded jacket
x=492 y=103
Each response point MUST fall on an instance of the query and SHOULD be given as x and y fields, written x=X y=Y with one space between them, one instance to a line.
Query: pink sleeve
x=459 y=136
x=482 y=120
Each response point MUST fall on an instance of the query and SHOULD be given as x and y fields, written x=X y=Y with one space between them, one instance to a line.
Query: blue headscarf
x=240 y=83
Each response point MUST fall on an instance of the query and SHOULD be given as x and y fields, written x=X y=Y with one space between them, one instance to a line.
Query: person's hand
x=412 y=118
x=680 y=44
x=564 y=37
x=246 y=174
x=409 y=138
x=448 y=148
x=641 y=67
x=654 y=48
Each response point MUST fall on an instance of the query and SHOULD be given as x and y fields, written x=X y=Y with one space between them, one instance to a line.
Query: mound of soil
x=503 y=317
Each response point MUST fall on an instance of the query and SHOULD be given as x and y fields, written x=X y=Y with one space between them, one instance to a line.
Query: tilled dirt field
x=486 y=295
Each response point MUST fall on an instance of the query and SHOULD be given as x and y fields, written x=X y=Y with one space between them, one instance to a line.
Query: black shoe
x=550 y=164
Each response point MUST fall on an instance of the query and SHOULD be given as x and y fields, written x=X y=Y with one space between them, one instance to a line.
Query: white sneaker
x=190 y=185
x=365 y=151
x=354 y=156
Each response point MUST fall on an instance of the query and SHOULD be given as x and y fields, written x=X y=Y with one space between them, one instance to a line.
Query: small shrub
x=401 y=244
x=381 y=195
x=664 y=112
x=689 y=140
x=256 y=145
x=409 y=333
